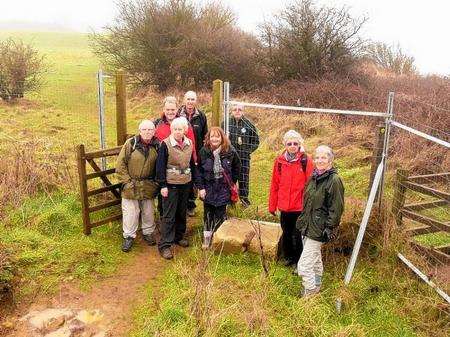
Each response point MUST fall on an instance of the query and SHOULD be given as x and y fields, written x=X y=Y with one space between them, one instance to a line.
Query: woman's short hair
x=215 y=130
x=179 y=121
x=292 y=134
x=326 y=149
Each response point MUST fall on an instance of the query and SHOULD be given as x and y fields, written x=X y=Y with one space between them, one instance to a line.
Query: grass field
x=44 y=233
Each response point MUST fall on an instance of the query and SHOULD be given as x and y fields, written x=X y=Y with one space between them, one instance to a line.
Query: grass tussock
x=228 y=295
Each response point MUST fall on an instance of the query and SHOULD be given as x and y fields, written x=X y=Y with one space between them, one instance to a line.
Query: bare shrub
x=391 y=58
x=178 y=43
x=308 y=42
x=21 y=69
x=24 y=171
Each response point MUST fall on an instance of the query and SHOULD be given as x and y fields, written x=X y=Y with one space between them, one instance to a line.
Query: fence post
x=81 y=163
x=399 y=195
x=377 y=154
x=216 y=102
x=121 y=108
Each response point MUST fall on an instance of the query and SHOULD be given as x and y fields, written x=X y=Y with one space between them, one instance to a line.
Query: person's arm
x=205 y=126
x=274 y=186
x=199 y=181
x=235 y=167
x=122 y=165
x=335 y=203
x=254 y=140
x=161 y=165
x=194 y=171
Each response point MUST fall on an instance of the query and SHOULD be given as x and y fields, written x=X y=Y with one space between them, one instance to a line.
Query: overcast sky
x=421 y=27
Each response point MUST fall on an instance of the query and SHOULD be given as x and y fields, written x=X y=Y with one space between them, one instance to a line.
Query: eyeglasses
x=292 y=144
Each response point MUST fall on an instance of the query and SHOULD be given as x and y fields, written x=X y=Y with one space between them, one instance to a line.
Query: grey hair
x=237 y=106
x=170 y=99
x=146 y=122
x=292 y=134
x=190 y=92
x=327 y=150
x=179 y=121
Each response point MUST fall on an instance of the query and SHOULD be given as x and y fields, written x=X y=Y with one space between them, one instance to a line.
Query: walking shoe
x=127 y=243
x=310 y=292
x=191 y=212
x=183 y=243
x=149 y=239
x=166 y=253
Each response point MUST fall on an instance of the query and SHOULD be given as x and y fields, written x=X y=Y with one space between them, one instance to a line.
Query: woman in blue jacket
x=218 y=168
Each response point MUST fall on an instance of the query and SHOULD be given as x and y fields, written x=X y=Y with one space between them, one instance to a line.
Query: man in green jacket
x=136 y=168
x=322 y=211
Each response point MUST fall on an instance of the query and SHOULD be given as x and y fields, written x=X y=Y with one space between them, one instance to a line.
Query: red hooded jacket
x=288 y=183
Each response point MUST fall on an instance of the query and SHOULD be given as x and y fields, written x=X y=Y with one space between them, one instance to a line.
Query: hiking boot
x=191 y=212
x=127 y=243
x=183 y=243
x=166 y=253
x=149 y=239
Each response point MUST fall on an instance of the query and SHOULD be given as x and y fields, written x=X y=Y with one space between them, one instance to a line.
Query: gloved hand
x=329 y=234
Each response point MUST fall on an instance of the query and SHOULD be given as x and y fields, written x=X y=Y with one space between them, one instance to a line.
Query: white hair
x=146 y=122
x=326 y=149
x=237 y=106
x=190 y=93
x=170 y=99
x=179 y=121
x=292 y=134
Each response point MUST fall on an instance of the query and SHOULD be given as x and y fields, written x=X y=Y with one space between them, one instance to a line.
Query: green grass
x=238 y=301
x=46 y=237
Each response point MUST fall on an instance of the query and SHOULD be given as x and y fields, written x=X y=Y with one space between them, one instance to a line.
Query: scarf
x=217 y=168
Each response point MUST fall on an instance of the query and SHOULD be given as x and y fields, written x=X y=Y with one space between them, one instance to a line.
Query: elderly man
x=136 y=169
x=244 y=137
x=197 y=119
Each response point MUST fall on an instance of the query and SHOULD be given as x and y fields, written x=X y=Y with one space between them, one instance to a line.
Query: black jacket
x=217 y=189
x=323 y=205
x=243 y=136
x=199 y=124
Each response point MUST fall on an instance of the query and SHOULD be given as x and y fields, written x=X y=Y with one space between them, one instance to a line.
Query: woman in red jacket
x=291 y=171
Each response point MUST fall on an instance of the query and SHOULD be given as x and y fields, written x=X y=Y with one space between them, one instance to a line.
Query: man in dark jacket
x=198 y=122
x=244 y=138
x=135 y=168
x=322 y=211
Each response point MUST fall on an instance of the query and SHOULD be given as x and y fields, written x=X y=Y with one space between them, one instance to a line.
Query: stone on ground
x=236 y=235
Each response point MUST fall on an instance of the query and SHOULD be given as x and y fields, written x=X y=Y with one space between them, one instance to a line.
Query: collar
x=184 y=113
x=173 y=141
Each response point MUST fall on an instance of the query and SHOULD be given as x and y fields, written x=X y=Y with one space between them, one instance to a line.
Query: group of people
x=176 y=157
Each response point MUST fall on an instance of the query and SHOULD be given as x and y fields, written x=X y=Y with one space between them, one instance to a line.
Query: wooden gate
x=439 y=199
x=108 y=188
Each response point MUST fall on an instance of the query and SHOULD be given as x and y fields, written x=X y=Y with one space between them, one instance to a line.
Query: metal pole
x=424 y=277
x=226 y=107
x=362 y=230
x=388 y=120
x=101 y=115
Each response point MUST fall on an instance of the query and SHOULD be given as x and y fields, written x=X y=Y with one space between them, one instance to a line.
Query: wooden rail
x=84 y=158
x=400 y=210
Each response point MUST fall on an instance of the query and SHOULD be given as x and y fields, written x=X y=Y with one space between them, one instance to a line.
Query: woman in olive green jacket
x=323 y=207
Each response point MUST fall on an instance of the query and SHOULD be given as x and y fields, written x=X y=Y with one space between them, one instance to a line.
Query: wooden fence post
x=121 y=107
x=399 y=195
x=216 y=102
x=377 y=155
x=81 y=162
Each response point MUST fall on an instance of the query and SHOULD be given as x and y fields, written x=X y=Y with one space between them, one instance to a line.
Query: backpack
x=303 y=162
